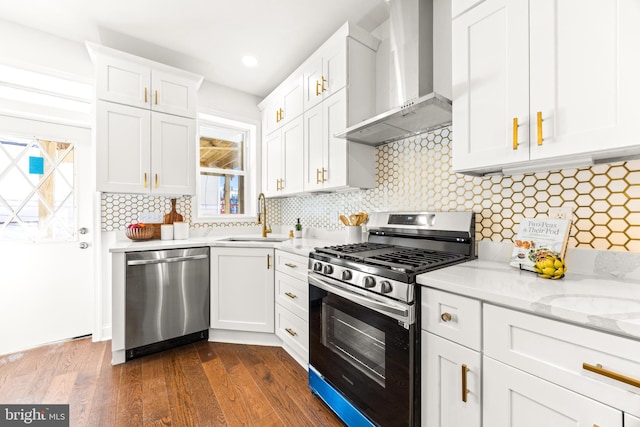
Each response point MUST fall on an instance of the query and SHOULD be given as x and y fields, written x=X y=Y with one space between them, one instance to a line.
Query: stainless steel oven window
x=355 y=341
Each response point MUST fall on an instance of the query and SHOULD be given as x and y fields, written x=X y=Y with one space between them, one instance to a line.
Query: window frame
x=251 y=171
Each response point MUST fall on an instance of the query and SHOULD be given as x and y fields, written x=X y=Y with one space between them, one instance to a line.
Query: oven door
x=365 y=349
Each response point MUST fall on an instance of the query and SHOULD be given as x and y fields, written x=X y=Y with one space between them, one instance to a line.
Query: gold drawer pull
x=323 y=82
x=290 y=295
x=515 y=133
x=145 y=180
x=318 y=176
x=539 y=127
x=598 y=369
x=268 y=262
x=145 y=95
x=323 y=172
x=291 y=332
x=465 y=391
x=446 y=317
x=156 y=180
x=318 y=92
x=156 y=97
x=288 y=264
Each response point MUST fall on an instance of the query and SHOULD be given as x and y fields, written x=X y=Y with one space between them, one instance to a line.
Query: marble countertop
x=300 y=246
x=601 y=289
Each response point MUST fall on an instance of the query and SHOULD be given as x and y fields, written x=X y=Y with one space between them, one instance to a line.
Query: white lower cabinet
x=292 y=305
x=451 y=372
x=513 y=398
x=518 y=369
x=630 y=421
x=451 y=384
x=242 y=289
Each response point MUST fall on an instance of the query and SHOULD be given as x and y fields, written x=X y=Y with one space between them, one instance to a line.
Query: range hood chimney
x=415 y=97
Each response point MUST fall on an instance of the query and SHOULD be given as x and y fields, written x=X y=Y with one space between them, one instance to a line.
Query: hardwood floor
x=201 y=384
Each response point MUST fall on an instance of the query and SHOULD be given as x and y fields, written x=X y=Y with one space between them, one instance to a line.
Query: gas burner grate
x=352 y=248
x=413 y=260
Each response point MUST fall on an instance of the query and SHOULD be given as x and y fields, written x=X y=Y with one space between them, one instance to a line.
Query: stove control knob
x=328 y=269
x=369 y=282
x=385 y=287
x=347 y=275
x=317 y=266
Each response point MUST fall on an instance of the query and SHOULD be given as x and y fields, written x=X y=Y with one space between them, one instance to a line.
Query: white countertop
x=301 y=246
x=588 y=295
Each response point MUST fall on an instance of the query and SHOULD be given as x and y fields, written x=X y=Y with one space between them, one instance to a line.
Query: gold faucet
x=262 y=215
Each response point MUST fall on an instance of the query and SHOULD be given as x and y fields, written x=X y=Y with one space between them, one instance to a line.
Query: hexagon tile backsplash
x=414 y=174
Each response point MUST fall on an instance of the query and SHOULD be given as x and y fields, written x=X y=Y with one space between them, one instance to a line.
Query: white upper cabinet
x=282 y=160
x=145 y=125
x=141 y=84
x=143 y=152
x=336 y=89
x=544 y=84
x=330 y=162
x=325 y=73
x=283 y=105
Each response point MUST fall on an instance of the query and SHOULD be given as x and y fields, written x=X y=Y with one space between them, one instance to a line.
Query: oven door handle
x=401 y=312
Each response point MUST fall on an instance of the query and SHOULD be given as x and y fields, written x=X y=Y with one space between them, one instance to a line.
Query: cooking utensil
x=344 y=220
x=363 y=217
x=353 y=219
x=173 y=216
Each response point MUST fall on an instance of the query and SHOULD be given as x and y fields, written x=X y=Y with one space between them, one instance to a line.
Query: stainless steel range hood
x=414 y=98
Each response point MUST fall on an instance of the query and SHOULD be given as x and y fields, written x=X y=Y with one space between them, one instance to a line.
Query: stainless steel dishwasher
x=167 y=299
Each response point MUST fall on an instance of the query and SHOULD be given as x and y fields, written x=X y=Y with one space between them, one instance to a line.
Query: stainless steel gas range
x=364 y=316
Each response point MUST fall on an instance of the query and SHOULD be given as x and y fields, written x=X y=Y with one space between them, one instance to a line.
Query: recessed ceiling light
x=249 y=61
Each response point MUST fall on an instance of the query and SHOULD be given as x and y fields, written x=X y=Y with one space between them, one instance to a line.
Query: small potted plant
x=298 y=231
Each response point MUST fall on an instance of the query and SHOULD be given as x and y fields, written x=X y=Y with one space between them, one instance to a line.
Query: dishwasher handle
x=166 y=260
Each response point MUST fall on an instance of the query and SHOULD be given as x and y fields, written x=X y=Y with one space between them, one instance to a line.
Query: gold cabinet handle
x=145 y=95
x=281 y=184
x=323 y=82
x=323 y=172
x=281 y=114
x=539 y=127
x=156 y=97
x=290 y=295
x=156 y=180
x=318 y=176
x=291 y=332
x=598 y=369
x=145 y=180
x=446 y=317
x=318 y=87
x=515 y=133
x=465 y=390
x=288 y=264
x=268 y=261
x=277 y=116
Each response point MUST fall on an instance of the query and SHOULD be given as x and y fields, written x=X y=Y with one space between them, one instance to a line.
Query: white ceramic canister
x=180 y=230
x=166 y=232
x=354 y=234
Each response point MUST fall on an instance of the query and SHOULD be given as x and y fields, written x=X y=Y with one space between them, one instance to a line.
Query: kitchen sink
x=254 y=239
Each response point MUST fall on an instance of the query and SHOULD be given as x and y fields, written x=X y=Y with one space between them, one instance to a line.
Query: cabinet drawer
x=452 y=316
x=293 y=331
x=292 y=264
x=293 y=294
x=556 y=351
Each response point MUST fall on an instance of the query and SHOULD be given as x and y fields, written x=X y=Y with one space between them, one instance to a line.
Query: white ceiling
x=208 y=37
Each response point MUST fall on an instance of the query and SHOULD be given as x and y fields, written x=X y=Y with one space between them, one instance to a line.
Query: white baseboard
x=240 y=337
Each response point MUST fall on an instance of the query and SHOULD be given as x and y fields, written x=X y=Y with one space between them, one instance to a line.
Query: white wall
x=39 y=51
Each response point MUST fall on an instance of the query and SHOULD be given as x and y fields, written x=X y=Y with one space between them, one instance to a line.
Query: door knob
x=83 y=245
x=83 y=230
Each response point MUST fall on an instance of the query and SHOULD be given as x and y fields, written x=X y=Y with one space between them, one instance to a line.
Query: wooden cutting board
x=172 y=216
